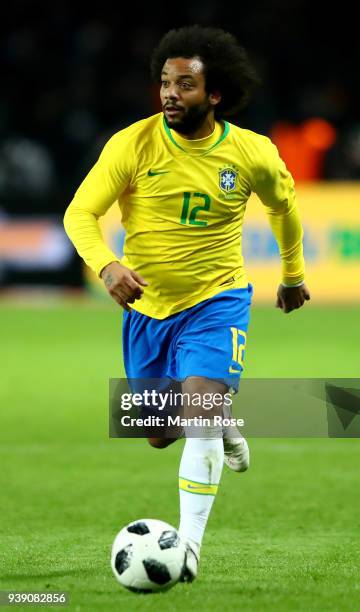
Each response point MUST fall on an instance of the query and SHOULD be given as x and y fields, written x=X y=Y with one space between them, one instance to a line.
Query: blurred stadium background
x=72 y=74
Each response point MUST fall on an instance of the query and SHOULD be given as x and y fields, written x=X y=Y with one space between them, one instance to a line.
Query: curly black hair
x=226 y=64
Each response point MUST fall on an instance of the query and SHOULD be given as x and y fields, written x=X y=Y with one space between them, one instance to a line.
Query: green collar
x=222 y=137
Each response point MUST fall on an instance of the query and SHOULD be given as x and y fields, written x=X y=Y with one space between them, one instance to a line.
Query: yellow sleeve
x=109 y=178
x=275 y=188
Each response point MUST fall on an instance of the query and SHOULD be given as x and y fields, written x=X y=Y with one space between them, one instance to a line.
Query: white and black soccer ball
x=147 y=556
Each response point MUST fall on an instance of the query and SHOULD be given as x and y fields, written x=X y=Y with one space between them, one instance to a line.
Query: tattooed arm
x=124 y=285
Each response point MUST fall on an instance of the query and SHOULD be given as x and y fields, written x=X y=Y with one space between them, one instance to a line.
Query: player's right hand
x=124 y=285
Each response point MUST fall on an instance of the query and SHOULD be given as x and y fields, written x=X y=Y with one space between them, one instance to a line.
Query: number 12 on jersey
x=191 y=207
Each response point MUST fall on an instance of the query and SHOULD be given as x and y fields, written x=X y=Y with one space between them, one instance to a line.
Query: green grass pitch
x=283 y=536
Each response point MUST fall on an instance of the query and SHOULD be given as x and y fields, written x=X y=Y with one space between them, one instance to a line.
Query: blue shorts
x=207 y=340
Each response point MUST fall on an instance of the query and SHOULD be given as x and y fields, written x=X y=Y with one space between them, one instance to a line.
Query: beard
x=191 y=119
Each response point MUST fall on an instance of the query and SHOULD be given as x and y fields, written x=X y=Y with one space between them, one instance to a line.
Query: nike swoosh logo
x=232 y=371
x=154 y=173
x=192 y=487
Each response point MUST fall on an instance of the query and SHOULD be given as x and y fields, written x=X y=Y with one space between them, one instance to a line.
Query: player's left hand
x=291 y=298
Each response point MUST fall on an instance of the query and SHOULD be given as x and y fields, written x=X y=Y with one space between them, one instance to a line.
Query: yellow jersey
x=182 y=205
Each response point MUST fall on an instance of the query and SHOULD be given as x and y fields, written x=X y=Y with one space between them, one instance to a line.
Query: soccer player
x=182 y=179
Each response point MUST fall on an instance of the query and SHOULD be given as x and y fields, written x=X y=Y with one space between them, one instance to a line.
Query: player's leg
x=161 y=442
x=201 y=464
x=171 y=432
x=236 y=449
x=168 y=436
x=145 y=348
x=209 y=356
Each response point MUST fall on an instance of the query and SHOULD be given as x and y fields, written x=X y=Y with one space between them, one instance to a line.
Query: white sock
x=199 y=475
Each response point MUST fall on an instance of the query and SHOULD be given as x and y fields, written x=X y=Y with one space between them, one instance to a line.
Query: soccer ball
x=147 y=556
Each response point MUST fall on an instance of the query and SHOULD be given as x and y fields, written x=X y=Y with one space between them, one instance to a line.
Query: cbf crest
x=227 y=178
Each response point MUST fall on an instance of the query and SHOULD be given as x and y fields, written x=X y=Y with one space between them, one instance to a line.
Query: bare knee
x=160 y=442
